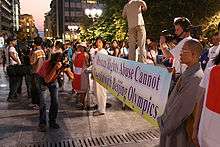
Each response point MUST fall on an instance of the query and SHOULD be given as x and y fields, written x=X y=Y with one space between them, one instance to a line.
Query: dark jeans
x=28 y=85
x=53 y=89
x=14 y=82
x=35 y=90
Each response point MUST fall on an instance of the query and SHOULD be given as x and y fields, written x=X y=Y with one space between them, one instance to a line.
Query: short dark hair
x=183 y=22
x=38 y=41
x=11 y=38
x=59 y=44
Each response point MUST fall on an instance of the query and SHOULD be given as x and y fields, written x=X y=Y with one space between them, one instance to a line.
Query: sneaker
x=42 y=128
x=54 y=126
x=97 y=113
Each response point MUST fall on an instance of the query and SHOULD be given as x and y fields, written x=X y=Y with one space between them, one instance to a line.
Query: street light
x=94 y=14
x=73 y=28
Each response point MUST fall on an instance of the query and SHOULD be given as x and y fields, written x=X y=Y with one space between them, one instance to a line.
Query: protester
x=206 y=128
x=47 y=78
x=167 y=41
x=182 y=31
x=100 y=91
x=213 y=51
x=114 y=49
x=69 y=51
x=80 y=83
x=37 y=57
x=124 y=49
x=59 y=48
x=152 y=53
x=182 y=100
x=12 y=58
x=25 y=60
x=136 y=29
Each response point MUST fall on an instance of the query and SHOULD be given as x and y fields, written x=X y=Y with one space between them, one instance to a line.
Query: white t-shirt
x=132 y=11
x=213 y=52
x=209 y=127
x=176 y=51
x=92 y=53
x=11 y=61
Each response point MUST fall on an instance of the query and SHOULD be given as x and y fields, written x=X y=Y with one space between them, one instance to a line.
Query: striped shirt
x=36 y=59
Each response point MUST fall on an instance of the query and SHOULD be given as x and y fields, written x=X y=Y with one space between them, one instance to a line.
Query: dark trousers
x=35 y=90
x=53 y=89
x=28 y=79
x=14 y=82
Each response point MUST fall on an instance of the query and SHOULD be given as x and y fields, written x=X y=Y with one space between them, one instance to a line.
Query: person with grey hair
x=175 y=122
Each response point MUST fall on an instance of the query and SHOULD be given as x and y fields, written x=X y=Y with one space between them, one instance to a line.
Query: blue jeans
x=53 y=89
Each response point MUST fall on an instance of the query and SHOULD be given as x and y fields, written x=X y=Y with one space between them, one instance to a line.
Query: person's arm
x=69 y=73
x=52 y=75
x=143 y=5
x=198 y=113
x=13 y=56
x=166 y=52
x=165 y=49
x=124 y=13
x=39 y=64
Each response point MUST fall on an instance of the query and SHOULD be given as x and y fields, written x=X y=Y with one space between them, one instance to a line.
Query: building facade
x=9 y=18
x=68 y=13
x=27 y=30
x=16 y=14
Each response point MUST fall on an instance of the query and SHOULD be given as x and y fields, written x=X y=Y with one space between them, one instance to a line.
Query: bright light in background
x=36 y=8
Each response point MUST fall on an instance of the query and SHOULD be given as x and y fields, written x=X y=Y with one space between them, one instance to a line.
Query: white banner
x=142 y=87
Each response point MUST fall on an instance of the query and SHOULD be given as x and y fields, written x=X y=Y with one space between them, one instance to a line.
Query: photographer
x=182 y=31
x=47 y=78
x=169 y=43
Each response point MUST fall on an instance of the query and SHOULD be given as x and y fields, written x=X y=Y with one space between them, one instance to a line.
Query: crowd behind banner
x=191 y=115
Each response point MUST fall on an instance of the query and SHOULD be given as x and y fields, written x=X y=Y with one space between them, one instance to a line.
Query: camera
x=60 y=57
x=169 y=35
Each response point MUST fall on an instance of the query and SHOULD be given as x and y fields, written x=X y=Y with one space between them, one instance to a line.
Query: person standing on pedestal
x=136 y=29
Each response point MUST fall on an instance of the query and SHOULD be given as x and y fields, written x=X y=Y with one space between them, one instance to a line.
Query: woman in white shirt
x=12 y=58
x=100 y=91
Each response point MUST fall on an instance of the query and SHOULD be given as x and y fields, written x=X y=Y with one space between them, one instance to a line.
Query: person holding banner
x=178 y=113
x=100 y=91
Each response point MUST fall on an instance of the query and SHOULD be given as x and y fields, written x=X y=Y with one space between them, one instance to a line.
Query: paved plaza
x=124 y=128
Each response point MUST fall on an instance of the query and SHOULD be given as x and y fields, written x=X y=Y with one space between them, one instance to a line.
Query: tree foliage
x=159 y=16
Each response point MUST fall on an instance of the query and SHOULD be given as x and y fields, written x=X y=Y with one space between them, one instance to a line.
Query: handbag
x=19 y=70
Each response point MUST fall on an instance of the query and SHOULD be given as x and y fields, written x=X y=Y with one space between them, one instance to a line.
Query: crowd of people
x=192 y=112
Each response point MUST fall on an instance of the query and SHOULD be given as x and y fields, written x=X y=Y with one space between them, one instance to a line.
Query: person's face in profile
x=99 y=43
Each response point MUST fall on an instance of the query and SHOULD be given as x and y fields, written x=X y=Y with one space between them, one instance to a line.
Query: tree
x=159 y=16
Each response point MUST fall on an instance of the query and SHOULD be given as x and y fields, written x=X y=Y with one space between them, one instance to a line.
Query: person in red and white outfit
x=81 y=82
x=206 y=127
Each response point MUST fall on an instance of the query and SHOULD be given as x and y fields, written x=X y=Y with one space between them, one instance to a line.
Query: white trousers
x=101 y=95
